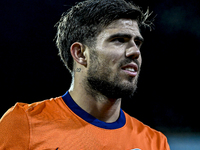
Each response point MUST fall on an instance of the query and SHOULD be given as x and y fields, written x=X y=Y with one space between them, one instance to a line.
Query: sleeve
x=166 y=144
x=14 y=129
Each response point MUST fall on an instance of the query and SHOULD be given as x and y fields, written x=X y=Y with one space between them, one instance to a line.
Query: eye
x=118 y=40
x=138 y=43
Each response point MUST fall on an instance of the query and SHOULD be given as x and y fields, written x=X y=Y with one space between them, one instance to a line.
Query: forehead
x=122 y=26
x=123 y=23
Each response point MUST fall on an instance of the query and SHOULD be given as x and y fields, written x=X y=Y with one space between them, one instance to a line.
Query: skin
x=112 y=50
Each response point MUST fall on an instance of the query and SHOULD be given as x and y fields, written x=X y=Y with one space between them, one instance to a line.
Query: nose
x=133 y=51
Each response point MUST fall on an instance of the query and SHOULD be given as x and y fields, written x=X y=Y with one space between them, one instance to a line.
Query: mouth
x=130 y=69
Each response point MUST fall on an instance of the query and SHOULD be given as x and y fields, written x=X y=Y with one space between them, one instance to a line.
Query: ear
x=78 y=53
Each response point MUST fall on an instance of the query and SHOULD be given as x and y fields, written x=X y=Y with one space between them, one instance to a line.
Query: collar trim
x=89 y=118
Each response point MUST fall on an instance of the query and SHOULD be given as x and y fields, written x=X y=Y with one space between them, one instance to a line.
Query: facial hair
x=98 y=79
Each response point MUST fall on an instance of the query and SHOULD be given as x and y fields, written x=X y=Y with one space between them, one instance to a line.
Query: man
x=99 y=41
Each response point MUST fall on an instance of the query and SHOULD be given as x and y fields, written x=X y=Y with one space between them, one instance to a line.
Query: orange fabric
x=51 y=125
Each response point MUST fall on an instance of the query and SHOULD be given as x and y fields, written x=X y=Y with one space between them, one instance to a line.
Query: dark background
x=168 y=90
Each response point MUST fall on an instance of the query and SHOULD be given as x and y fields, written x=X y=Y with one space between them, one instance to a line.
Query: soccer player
x=99 y=41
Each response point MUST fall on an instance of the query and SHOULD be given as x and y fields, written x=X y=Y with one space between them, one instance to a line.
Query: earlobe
x=78 y=53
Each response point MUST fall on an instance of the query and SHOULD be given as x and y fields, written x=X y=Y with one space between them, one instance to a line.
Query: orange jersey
x=60 y=124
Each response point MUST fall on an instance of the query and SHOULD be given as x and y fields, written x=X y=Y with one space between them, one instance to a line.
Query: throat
x=100 y=107
x=108 y=112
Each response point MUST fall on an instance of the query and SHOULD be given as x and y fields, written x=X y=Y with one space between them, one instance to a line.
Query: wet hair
x=84 y=21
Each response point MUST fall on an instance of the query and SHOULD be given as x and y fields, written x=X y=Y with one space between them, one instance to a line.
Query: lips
x=130 y=69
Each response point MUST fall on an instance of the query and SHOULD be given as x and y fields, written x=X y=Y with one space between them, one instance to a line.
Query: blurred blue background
x=185 y=141
x=168 y=88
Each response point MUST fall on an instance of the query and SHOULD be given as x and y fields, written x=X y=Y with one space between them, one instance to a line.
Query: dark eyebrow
x=139 y=38
x=118 y=35
x=125 y=35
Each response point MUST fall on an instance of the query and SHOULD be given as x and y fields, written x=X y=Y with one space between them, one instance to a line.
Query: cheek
x=114 y=57
x=109 y=57
x=114 y=60
x=140 y=60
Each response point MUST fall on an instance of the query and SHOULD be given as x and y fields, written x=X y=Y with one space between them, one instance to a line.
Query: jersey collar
x=89 y=118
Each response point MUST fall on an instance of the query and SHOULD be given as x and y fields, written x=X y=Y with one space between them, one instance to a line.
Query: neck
x=97 y=105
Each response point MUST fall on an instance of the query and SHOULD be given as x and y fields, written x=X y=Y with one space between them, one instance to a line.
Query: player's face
x=115 y=62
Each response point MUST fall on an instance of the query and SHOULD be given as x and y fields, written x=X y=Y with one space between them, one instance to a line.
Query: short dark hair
x=84 y=21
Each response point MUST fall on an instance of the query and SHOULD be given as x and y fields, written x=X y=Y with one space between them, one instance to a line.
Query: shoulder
x=46 y=105
x=145 y=131
x=25 y=110
x=19 y=119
